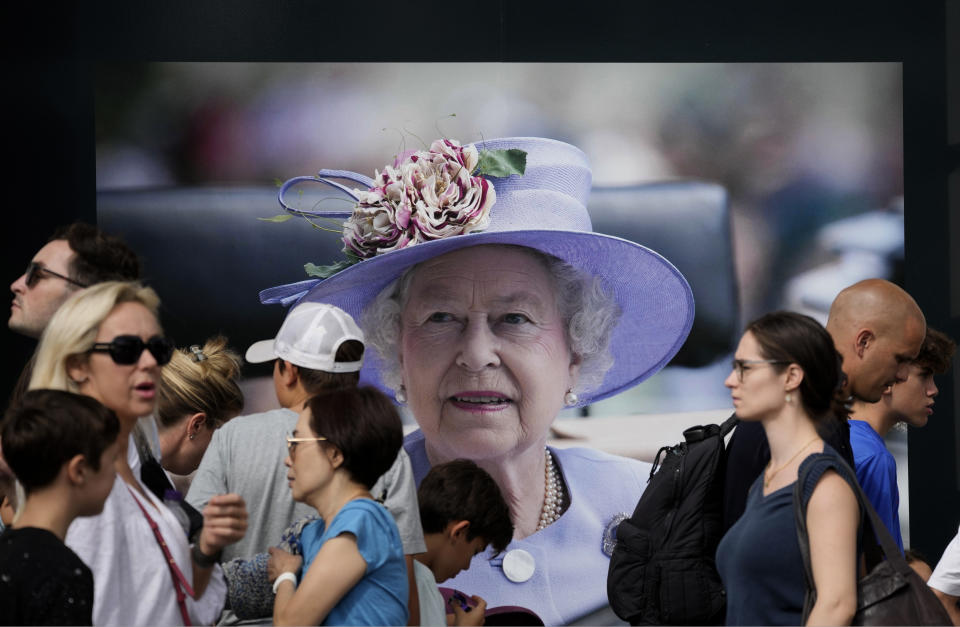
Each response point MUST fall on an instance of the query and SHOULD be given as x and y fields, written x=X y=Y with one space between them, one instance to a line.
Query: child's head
x=461 y=505
x=912 y=400
x=52 y=431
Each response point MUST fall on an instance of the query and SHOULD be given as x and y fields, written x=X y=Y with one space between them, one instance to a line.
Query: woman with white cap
x=492 y=306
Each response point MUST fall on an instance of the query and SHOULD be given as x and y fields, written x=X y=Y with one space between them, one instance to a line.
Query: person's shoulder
x=865 y=442
x=266 y=421
x=369 y=511
x=861 y=430
x=39 y=549
x=604 y=466
x=816 y=465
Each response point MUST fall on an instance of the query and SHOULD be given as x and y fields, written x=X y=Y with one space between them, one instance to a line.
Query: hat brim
x=656 y=301
x=260 y=352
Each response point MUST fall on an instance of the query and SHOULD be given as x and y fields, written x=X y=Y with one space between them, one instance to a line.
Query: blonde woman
x=198 y=393
x=106 y=342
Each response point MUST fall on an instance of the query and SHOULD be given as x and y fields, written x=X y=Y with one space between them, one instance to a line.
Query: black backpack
x=662 y=571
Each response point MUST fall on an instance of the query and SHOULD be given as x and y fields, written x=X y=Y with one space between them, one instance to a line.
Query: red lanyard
x=179 y=581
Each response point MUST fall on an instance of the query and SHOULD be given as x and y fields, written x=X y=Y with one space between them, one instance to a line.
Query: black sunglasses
x=126 y=349
x=35 y=272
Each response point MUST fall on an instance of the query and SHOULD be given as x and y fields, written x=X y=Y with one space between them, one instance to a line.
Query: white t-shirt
x=946 y=576
x=432 y=609
x=132 y=584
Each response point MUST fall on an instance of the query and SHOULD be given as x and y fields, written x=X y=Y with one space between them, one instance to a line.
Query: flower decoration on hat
x=425 y=195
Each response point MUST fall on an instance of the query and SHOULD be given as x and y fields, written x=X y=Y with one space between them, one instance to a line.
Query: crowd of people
x=486 y=305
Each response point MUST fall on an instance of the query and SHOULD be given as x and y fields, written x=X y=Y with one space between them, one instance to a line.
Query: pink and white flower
x=425 y=195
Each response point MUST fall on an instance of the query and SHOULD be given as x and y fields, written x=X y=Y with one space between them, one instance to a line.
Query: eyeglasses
x=292 y=444
x=126 y=350
x=35 y=272
x=739 y=365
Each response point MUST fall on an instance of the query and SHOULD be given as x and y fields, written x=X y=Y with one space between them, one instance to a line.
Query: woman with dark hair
x=353 y=569
x=785 y=375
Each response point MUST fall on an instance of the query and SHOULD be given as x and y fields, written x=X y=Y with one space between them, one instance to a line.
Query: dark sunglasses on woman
x=125 y=350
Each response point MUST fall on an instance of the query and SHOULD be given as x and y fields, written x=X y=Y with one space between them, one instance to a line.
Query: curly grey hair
x=588 y=310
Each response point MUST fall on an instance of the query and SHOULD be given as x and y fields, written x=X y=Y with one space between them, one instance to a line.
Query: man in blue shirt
x=909 y=402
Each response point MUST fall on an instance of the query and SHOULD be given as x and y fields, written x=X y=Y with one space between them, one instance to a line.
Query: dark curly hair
x=97 y=257
x=936 y=352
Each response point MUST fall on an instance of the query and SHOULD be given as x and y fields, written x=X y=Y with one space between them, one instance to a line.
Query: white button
x=518 y=565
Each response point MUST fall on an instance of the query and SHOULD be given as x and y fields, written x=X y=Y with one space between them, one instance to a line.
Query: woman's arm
x=224 y=522
x=832 y=520
x=949 y=602
x=336 y=569
x=413 y=598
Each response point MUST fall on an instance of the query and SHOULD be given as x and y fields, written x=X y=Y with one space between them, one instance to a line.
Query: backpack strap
x=728 y=425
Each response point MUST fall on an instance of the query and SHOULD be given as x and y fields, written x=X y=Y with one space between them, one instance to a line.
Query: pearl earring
x=401 y=394
x=193 y=435
x=789 y=399
x=570 y=398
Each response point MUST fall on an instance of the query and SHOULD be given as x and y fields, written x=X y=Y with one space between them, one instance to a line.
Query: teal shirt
x=380 y=597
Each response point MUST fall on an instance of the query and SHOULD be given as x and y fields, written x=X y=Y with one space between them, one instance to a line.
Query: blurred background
x=809 y=154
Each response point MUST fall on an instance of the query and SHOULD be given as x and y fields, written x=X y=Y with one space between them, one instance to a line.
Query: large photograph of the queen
x=536 y=254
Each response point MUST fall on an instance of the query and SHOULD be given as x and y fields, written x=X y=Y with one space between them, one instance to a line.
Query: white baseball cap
x=309 y=338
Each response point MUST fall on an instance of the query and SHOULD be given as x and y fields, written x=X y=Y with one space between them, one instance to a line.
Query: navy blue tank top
x=759 y=557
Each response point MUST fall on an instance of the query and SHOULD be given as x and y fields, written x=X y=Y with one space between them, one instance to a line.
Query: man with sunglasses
x=77 y=256
x=877 y=328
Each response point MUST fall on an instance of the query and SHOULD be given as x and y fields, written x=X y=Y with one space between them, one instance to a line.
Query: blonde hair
x=200 y=380
x=72 y=330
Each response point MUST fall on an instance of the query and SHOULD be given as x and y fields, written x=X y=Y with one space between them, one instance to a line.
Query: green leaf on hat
x=283 y=217
x=323 y=272
x=501 y=163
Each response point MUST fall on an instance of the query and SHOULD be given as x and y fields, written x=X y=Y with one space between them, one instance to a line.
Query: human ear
x=335 y=456
x=195 y=424
x=794 y=377
x=863 y=340
x=78 y=369
x=76 y=469
x=574 y=369
x=290 y=374
x=458 y=530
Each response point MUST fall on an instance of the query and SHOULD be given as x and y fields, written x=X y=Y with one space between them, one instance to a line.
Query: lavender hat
x=544 y=209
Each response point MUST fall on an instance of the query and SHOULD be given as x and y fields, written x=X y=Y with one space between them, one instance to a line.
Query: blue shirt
x=877 y=474
x=380 y=597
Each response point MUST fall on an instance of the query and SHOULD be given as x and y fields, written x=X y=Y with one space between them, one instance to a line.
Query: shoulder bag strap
x=180 y=582
x=880 y=531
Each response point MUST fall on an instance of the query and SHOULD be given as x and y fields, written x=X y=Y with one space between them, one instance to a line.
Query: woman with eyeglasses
x=352 y=570
x=785 y=376
x=106 y=342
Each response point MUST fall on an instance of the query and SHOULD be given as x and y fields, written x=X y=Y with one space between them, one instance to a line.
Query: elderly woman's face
x=484 y=352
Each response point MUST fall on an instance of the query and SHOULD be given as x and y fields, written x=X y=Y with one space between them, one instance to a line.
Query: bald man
x=878 y=329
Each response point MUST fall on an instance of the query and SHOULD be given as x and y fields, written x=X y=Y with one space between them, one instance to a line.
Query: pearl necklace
x=553 y=497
